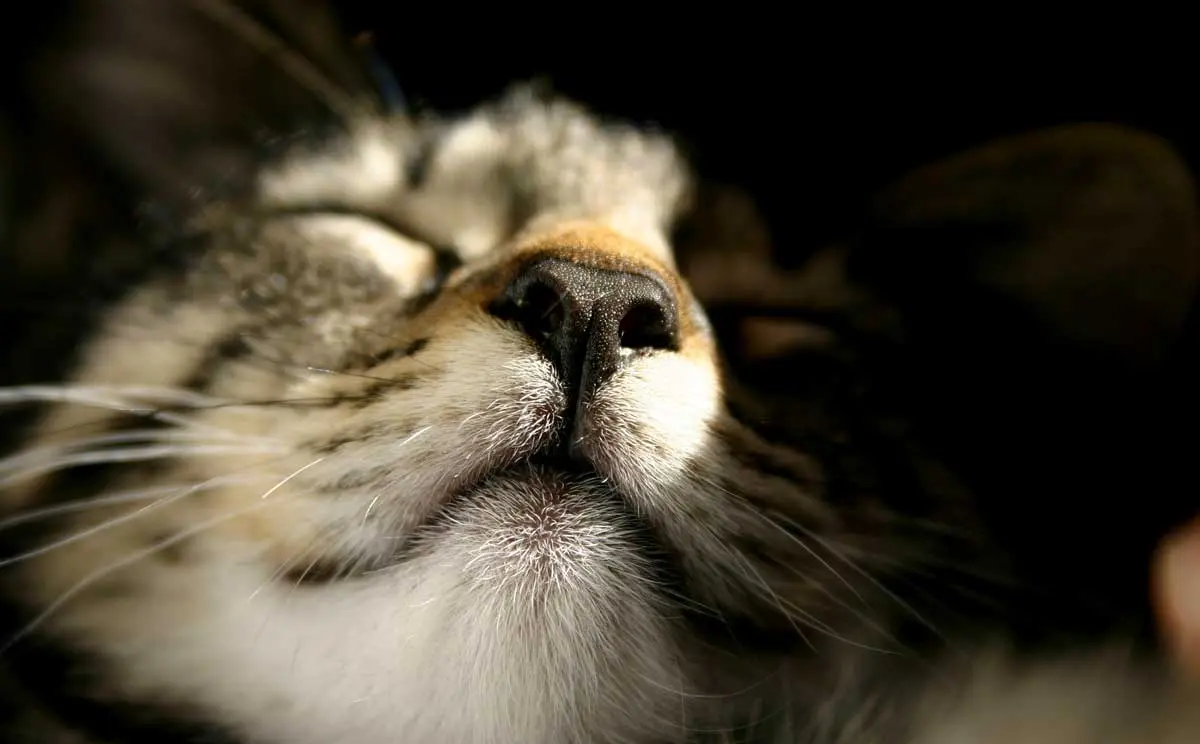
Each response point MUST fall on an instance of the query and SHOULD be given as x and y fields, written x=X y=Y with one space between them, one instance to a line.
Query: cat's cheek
x=1177 y=595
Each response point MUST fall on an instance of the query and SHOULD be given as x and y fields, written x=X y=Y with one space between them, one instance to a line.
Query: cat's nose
x=586 y=319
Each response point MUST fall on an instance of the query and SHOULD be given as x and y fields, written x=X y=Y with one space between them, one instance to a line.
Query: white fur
x=365 y=168
x=431 y=651
x=495 y=634
x=409 y=263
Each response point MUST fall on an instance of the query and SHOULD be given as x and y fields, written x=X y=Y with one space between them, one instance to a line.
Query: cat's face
x=420 y=433
x=427 y=417
x=493 y=485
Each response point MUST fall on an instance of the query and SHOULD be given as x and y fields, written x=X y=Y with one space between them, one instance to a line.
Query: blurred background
x=811 y=108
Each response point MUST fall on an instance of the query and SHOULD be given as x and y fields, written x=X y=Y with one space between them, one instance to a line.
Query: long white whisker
x=774 y=596
x=123 y=497
x=867 y=575
x=138 y=435
x=792 y=612
x=101 y=573
x=124 y=518
x=103 y=396
x=826 y=564
x=134 y=454
x=123 y=399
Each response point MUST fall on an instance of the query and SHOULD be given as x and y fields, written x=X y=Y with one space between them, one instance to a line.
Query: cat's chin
x=545 y=519
x=542 y=524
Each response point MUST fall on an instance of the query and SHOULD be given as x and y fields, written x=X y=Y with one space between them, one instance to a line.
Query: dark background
x=811 y=112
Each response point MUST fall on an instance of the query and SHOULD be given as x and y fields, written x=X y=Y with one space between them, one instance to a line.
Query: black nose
x=586 y=319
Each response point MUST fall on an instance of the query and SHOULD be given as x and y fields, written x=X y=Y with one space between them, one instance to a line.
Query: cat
x=332 y=422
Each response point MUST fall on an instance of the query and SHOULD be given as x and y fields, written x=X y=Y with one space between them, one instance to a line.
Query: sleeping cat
x=334 y=423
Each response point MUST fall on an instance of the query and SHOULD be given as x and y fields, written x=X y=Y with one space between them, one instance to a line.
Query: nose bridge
x=598 y=246
x=589 y=263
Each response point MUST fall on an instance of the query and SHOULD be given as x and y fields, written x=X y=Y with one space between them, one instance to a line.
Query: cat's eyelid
x=410 y=263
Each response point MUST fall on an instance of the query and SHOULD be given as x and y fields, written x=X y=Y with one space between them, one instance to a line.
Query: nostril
x=646 y=326
x=541 y=312
x=585 y=318
x=537 y=308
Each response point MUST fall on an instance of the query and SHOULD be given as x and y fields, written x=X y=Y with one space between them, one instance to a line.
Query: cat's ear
x=187 y=95
x=1086 y=234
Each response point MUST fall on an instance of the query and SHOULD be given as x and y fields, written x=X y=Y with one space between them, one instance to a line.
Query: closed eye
x=419 y=268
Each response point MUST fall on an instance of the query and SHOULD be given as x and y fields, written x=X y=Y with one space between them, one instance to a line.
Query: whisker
x=303 y=575
x=96 y=529
x=115 y=398
x=370 y=506
x=98 y=395
x=839 y=555
x=13 y=462
x=123 y=497
x=819 y=558
x=346 y=373
x=769 y=519
x=319 y=400
x=272 y=46
x=155 y=403
x=129 y=560
x=294 y=473
x=283 y=568
x=99 y=574
x=133 y=454
x=774 y=596
x=792 y=612
x=861 y=571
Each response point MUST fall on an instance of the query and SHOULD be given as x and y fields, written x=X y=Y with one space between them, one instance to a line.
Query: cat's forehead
x=365 y=166
x=472 y=182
